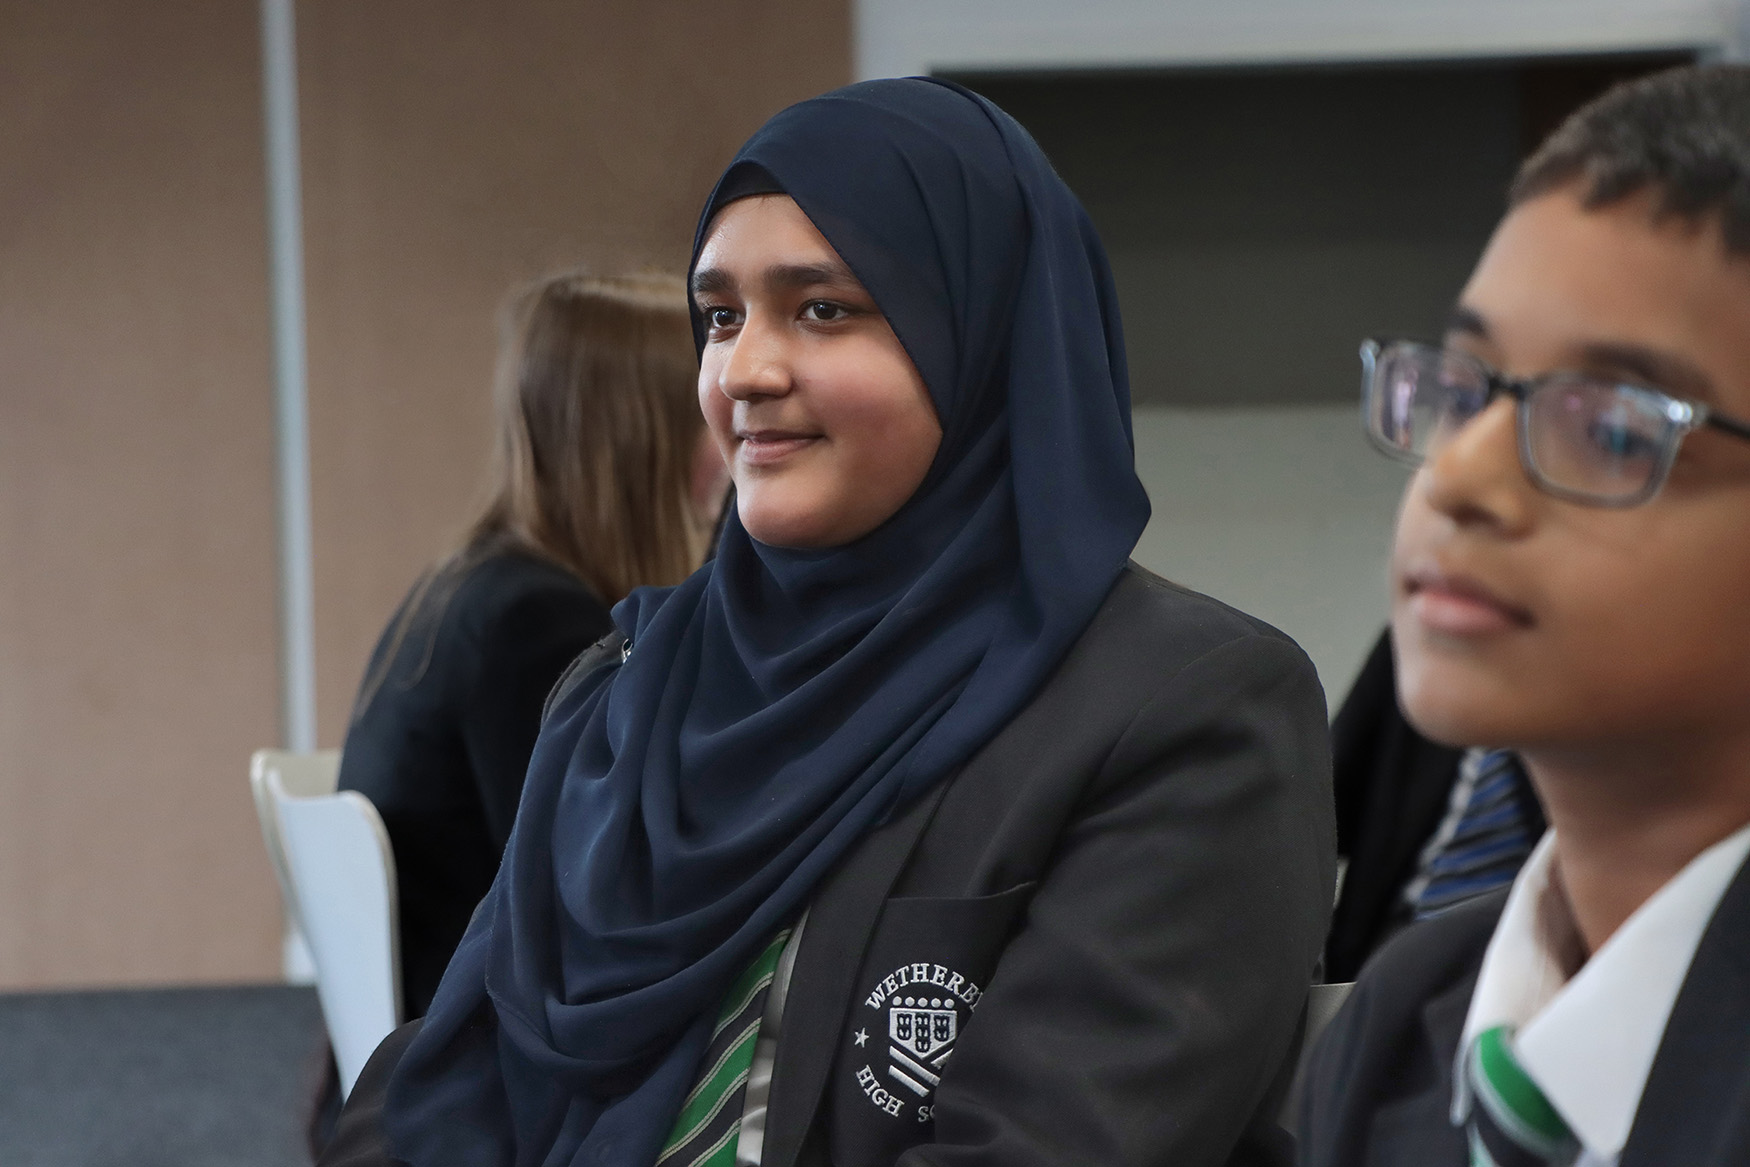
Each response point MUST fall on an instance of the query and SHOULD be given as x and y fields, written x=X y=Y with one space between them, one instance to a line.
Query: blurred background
x=1275 y=180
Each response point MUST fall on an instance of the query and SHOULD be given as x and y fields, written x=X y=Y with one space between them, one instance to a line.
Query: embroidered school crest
x=920 y=1029
x=917 y=1007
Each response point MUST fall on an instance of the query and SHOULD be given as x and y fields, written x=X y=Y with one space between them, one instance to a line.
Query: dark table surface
x=204 y=1077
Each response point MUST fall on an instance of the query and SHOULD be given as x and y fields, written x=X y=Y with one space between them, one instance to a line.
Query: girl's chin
x=797 y=531
x=793 y=513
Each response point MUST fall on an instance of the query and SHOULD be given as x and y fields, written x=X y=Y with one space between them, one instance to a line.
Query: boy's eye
x=1621 y=439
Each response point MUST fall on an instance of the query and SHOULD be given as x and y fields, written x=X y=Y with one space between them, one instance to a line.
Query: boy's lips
x=1458 y=605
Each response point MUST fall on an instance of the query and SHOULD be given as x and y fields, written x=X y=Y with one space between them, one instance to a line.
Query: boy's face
x=1522 y=620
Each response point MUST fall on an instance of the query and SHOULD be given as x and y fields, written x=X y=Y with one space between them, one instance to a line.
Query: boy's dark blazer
x=1140 y=1005
x=1379 y=1082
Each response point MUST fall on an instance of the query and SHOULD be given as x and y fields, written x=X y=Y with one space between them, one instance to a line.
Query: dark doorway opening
x=1262 y=221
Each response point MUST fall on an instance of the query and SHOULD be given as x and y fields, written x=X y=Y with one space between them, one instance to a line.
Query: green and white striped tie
x=1511 y=1123
x=706 y=1130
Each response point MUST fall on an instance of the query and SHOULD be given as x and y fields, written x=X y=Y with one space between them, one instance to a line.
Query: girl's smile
x=767 y=447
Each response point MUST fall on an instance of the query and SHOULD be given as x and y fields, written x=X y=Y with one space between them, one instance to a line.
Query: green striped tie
x=705 y=1132
x=1511 y=1123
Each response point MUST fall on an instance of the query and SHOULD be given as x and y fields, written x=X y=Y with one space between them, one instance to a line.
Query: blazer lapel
x=1443 y=1022
x=841 y=919
x=1695 y=1108
x=1417 y=1128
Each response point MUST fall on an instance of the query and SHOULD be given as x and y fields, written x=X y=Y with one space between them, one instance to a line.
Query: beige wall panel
x=136 y=544
x=454 y=148
x=451 y=149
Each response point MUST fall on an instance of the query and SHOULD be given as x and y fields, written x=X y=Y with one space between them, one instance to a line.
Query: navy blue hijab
x=682 y=807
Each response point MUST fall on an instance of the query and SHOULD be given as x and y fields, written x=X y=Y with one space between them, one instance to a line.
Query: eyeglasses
x=1583 y=438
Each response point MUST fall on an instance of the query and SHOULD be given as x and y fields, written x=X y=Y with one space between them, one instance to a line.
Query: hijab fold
x=682 y=806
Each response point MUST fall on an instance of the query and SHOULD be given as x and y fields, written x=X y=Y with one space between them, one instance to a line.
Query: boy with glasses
x=1571 y=580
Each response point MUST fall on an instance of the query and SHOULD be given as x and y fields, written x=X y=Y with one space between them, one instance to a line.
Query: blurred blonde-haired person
x=604 y=481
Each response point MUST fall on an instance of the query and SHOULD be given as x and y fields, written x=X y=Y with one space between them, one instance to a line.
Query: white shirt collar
x=1589 y=1042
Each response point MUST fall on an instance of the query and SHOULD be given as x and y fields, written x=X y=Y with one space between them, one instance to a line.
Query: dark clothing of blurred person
x=443 y=744
x=1408 y=821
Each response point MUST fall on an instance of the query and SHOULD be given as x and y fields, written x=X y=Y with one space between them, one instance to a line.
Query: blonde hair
x=596 y=424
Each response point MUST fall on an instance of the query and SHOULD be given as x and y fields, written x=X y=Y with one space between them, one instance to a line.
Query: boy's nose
x=1475 y=476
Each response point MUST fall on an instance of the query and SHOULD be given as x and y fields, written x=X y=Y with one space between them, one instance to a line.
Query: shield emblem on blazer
x=920 y=1036
x=927 y=1026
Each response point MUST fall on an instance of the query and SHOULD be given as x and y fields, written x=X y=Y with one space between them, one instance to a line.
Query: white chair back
x=301 y=774
x=341 y=873
x=1322 y=1003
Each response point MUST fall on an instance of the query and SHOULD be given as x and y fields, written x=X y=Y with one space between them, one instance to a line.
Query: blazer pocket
x=921 y=980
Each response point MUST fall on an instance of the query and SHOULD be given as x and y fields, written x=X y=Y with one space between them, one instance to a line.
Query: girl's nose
x=758 y=363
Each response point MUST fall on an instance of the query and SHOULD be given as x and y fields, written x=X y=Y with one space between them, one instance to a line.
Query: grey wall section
x=1283 y=511
x=451 y=148
x=1261 y=223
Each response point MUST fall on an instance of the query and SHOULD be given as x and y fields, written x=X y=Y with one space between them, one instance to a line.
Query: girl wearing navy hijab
x=919 y=826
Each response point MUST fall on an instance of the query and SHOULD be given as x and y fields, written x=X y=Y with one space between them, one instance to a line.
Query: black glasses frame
x=1682 y=416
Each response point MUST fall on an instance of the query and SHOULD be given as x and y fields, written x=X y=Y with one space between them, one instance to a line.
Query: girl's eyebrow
x=711 y=279
x=791 y=276
x=779 y=277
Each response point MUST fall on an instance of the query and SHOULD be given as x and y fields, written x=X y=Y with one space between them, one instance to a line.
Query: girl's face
x=822 y=418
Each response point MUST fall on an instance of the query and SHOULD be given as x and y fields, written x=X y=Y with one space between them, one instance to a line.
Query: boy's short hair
x=1684 y=133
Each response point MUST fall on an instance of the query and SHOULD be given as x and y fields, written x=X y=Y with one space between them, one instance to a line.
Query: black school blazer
x=442 y=747
x=1379 y=1083
x=1090 y=946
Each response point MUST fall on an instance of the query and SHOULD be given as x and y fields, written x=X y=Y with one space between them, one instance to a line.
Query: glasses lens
x=1419 y=396
x=1597 y=440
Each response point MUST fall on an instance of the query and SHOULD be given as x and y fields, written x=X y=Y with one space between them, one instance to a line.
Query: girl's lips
x=765 y=447
x=1457 y=606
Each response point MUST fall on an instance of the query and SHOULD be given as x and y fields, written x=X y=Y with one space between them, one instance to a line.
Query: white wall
x=1284 y=512
x=904 y=37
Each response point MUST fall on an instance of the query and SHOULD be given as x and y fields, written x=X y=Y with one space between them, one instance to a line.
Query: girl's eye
x=823 y=311
x=719 y=317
